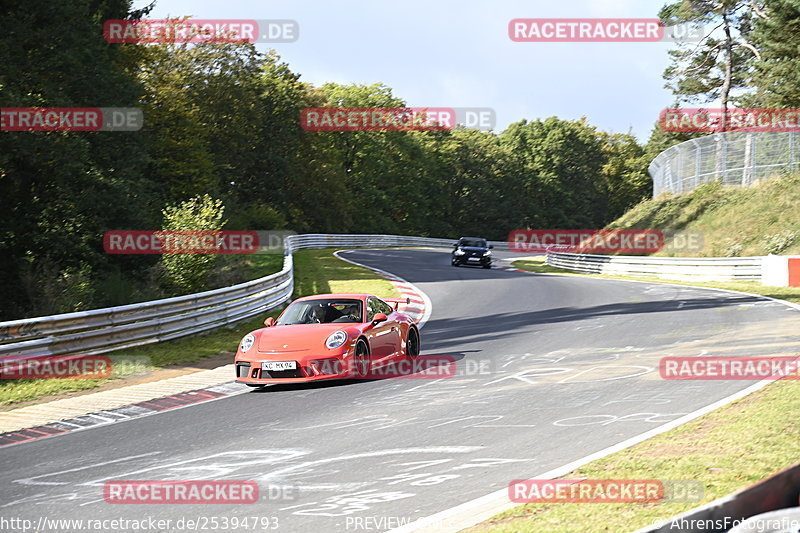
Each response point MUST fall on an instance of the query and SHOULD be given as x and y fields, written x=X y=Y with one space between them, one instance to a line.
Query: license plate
x=474 y=259
x=279 y=365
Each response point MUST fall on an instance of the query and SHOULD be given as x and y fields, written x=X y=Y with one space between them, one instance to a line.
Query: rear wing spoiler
x=397 y=301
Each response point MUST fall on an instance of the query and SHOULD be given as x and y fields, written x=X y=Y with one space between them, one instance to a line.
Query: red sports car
x=327 y=336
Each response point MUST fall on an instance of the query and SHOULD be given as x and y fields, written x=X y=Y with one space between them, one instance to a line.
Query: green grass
x=733 y=221
x=790 y=294
x=726 y=450
x=316 y=271
x=259 y=265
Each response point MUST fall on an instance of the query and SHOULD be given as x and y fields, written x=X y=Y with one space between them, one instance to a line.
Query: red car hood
x=297 y=337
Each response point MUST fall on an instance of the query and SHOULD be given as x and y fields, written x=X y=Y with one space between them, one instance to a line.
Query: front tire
x=361 y=361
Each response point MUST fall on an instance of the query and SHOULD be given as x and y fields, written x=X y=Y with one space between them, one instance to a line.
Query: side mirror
x=378 y=318
x=490 y=246
x=455 y=245
x=269 y=322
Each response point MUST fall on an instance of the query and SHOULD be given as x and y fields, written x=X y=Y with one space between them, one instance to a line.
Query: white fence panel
x=679 y=268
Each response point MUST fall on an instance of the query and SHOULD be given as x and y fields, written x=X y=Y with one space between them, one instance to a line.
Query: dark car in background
x=471 y=251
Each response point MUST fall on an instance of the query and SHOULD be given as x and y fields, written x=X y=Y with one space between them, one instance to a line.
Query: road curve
x=551 y=369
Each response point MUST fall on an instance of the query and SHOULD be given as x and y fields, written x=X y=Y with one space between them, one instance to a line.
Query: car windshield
x=323 y=311
x=477 y=243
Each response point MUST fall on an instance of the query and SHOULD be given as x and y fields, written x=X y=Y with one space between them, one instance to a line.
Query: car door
x=394 y=330
x=382 y=337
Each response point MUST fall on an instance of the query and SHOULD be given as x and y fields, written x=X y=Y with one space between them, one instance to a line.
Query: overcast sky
x=457 y=53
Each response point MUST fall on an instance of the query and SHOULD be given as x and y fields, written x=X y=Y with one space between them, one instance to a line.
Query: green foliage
x=719 y=66
x=562 y=172
x=779 y=242
x=60 y=191
x=190 y=272
x=256 y=217
x=777 y=73
x=52 y=290
x=625 y=173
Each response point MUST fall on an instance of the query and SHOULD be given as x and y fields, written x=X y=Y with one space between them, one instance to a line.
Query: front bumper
x=472 y=260
x=309 y=369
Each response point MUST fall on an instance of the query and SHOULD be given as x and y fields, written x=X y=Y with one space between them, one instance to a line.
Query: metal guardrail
x=680 y=268
x=113 y=328
x=737 y=159
x=778 y=492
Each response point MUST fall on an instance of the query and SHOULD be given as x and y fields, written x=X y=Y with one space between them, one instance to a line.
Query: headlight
x=487 y=252
x=247 y=342
x=459 y=252
x=336 y=339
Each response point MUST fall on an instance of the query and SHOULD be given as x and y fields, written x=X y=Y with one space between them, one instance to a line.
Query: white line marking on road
x=30 y=480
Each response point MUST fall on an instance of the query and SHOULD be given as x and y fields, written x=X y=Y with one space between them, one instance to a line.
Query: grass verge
x=727 y=449
x=316 y=271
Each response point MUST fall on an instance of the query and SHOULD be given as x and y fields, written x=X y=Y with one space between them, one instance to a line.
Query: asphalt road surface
x=550 y=369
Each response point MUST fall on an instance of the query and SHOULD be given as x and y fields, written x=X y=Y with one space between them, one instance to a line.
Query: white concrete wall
x=775 y=270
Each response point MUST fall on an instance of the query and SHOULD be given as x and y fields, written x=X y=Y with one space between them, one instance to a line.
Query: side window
x=372 y=308
x=385 y=308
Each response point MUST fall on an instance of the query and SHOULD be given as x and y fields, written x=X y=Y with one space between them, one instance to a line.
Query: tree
x=563 y=163
x=719 y=66
x=202 y=104
x=625 y=173
x=61 y=190
x=777 y=73
x=377 y=167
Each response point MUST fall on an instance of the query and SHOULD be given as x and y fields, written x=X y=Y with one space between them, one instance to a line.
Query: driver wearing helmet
x=317 y=314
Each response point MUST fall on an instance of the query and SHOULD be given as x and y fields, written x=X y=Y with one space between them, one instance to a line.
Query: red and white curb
x=512 y=269
x=420 y=306
x=110 y=416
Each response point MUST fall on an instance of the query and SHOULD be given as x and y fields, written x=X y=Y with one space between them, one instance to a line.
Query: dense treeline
x=223 y=120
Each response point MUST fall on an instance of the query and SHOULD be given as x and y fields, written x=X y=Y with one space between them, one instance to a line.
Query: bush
x=52 y=290
x=190 y=272
x=779 y=242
